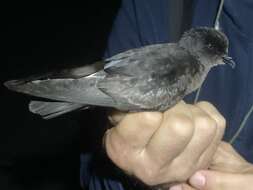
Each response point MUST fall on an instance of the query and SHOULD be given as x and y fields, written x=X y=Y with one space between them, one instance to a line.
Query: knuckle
x=206 y=122
x=181 y=125
x=205 y=104
x=150 y=118
x=221 y=121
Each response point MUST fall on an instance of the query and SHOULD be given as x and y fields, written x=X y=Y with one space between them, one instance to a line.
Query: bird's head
x=208 y=44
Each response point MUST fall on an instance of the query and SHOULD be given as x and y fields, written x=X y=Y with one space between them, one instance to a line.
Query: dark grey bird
x=150 y=78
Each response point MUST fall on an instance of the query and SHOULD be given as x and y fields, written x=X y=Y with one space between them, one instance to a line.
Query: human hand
x=228 y=171
x=165 y=148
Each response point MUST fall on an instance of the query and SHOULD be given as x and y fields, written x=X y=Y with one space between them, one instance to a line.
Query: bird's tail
x=49 y=110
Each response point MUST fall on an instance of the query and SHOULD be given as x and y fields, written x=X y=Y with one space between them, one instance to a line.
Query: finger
x=213 y=180
x=204 y=134
x=117 y=150
x=137 y=128
x=206 y=158
x=213 y=112
x=173 y=135
x=226 y=159
x=125 y=141
x=179 y=108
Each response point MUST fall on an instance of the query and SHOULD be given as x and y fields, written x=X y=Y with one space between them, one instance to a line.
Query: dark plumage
x=150 y=78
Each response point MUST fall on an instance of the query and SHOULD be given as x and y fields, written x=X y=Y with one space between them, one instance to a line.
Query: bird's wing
x=82 y=90
x=79 y=72
x=69 y=73
x=137 y=61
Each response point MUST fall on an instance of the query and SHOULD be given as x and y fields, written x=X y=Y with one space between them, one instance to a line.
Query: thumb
x=226 y=159
x=214 y=180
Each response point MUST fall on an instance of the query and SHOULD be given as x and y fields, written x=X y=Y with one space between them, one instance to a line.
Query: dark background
x=40 y=37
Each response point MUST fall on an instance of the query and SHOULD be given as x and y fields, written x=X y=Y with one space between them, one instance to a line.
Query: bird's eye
x=210 y=46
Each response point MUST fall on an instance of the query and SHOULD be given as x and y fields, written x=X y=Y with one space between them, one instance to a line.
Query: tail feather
x=49 y=110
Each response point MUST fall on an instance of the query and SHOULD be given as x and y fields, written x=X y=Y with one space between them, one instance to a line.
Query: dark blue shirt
x=143 y=22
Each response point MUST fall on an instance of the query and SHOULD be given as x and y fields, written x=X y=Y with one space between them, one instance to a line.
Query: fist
x=165 y=148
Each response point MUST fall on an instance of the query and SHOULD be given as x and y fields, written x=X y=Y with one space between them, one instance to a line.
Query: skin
x=153 y=146
x=228 y=171
x=174 y=139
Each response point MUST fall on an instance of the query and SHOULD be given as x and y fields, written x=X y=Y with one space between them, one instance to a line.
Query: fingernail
x=176 y=187
x=198 y=180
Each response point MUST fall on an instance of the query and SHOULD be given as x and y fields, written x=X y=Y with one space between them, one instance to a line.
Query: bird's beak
x=229 y=60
